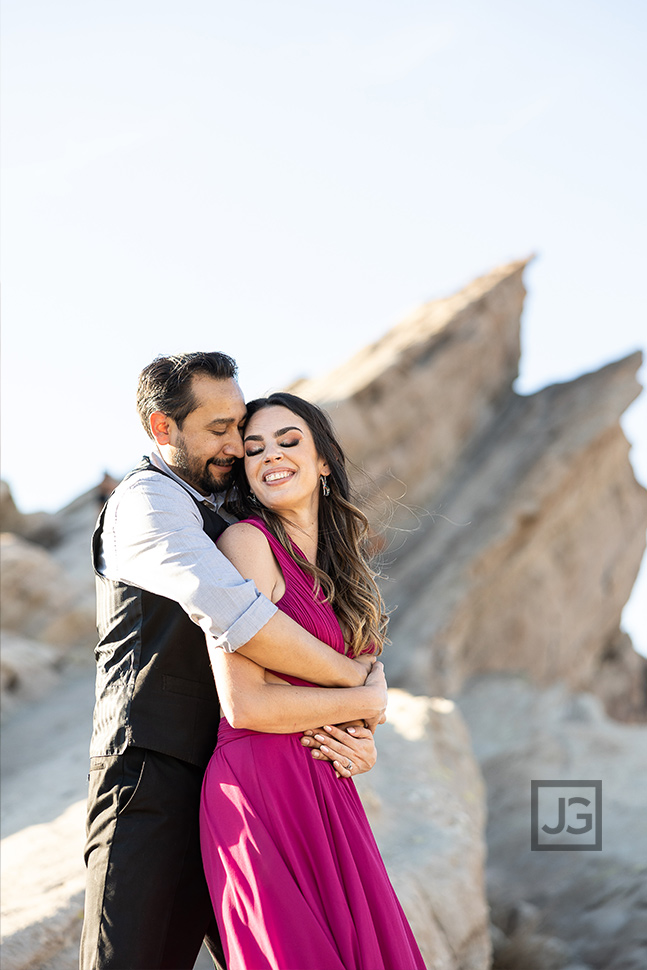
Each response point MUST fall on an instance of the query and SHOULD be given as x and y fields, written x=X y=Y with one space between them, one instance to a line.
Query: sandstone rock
x=424 y=799
x=44 y=891
x=532 y=551
x=530 y=525
x=533 y=951
x=55 y=601
x=28 y=670
x=76 y=522
x=407 y=405
x=33 y=586
x=39 y=598
x=594 y=901
x=40 y=527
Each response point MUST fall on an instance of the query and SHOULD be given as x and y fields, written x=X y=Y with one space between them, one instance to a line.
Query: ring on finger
x=349 y=766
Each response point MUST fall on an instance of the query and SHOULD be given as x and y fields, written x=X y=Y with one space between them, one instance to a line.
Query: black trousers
x=147 y=903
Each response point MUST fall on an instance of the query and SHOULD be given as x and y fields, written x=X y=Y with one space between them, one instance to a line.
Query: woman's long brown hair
x=342 y=567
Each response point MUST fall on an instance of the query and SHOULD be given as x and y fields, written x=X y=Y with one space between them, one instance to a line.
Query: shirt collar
x=214 y=501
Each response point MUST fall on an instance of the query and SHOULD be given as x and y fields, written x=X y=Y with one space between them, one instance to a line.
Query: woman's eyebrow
x=277 y=434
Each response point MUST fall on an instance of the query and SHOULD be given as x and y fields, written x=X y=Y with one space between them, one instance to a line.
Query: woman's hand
x=345 y=744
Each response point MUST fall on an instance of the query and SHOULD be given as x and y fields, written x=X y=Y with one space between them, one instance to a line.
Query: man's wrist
x=360 y=672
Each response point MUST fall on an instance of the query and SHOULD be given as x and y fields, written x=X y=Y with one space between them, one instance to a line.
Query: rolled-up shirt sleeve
x=153 y=538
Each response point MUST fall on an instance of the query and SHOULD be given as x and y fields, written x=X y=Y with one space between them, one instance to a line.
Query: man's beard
x=198 y=475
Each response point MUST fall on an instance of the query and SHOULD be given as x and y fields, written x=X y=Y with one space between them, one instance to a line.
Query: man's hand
x=343 y=744
x=376 y=679
x=364 y=665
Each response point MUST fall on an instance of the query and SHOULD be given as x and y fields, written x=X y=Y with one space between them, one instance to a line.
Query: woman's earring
x=325 y=487
x=252 y=498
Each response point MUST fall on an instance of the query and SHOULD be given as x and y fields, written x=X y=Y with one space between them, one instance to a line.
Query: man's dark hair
x=166 y=384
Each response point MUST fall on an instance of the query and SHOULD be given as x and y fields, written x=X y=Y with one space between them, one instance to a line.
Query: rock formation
x=47 y=591
x=39 y=527
x=407 y=405
x=430 y=833
x=551 y=909
x=530 y=525
x=28 y=671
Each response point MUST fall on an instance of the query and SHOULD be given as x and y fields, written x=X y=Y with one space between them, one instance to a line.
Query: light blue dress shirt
x=153 y=539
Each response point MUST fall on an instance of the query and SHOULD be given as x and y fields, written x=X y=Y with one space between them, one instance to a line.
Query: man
x=162 y=587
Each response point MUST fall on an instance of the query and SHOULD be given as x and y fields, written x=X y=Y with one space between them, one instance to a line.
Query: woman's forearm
x=285 y=709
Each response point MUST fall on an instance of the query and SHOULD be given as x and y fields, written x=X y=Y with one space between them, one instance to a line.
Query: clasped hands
x=350 y=743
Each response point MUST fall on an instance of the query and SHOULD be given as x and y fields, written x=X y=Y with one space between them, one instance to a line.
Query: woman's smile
x=276 y=476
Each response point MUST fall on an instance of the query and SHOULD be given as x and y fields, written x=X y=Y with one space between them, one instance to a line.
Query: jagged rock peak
x=407 y=406
x=422 y=330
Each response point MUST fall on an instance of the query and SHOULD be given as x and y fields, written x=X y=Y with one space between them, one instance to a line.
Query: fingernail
x=351 y=730
x=306 y=741
x=327 y=727
x=324 y=748
x=308 y=733
x=318 y=737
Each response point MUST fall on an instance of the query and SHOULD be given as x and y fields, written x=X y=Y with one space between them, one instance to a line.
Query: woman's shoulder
x=249 y=532
x=249 y=550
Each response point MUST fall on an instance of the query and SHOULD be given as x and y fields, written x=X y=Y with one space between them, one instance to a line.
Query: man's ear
x=160 y=427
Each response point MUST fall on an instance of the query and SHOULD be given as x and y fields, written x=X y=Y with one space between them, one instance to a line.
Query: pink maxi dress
x=295 y=875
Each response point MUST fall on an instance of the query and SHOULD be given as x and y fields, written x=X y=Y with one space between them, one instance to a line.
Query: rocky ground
x=44 y=763
x=425 y=802
x=552 y=909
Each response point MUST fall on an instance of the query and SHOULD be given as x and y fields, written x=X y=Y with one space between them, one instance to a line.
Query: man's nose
x=234 y=446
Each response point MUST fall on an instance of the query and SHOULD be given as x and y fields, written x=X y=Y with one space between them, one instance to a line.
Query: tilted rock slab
x=533 y=553
x=528 y=526
x=591 y=902
x=406 y=406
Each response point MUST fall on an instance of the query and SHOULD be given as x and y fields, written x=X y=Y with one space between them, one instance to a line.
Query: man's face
x=204 y=449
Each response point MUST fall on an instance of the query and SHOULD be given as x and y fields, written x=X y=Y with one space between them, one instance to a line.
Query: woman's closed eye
x=282 y=444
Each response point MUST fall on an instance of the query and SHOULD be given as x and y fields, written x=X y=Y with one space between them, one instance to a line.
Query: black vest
x=155 y=688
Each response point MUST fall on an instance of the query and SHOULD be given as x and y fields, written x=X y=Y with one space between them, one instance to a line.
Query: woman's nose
x=272 y=453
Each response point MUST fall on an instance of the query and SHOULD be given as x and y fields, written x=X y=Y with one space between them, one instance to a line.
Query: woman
x=295 y=876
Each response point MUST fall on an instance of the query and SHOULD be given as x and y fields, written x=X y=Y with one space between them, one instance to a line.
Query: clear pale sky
x=285 y=180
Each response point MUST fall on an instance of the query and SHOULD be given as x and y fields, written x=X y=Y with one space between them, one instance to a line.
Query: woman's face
x=281 y=461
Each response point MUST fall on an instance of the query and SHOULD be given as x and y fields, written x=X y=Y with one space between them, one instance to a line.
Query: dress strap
x=283 y=556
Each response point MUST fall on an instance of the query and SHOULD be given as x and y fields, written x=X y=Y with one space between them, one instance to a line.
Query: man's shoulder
x=147 y=487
